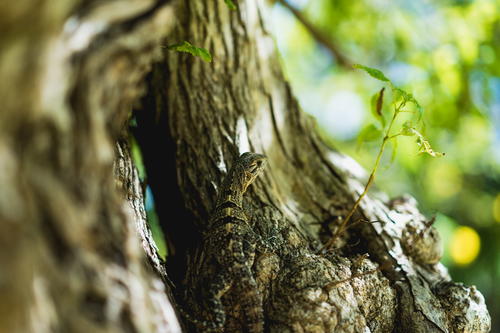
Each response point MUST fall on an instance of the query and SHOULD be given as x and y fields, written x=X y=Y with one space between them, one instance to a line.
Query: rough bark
x=71 y=207
x=241 y=102
x=71 y=258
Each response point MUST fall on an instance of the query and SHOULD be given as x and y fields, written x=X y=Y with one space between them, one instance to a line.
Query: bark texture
x=71 y=258
x=241 y=102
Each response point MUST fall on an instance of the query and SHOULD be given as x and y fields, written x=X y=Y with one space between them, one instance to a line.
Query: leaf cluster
x=400 y=99
x=386 y=117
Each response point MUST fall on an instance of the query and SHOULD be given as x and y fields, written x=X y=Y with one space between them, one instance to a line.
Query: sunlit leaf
x=425 y=146
x=189 y=48
x=373 y=72
x=407 y=98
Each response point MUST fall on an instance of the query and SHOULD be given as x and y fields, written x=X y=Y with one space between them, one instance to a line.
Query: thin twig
x=319 y=36
x=342 y=227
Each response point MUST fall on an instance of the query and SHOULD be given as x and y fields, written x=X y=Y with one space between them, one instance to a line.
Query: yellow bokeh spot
x=464 y=245
x=496 y=208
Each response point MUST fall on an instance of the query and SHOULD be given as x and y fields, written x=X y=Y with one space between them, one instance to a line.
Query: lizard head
x=249 y=165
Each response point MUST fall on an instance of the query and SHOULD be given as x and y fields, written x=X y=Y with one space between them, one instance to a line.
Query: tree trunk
x=71 y=208
x=70 y=237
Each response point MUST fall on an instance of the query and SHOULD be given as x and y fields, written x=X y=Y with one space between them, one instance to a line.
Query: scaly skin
x=231 y=242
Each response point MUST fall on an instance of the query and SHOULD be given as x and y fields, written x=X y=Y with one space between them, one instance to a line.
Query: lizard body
x=230 y=242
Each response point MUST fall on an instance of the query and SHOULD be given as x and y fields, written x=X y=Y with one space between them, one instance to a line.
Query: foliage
x=375 y=73
x=189 y=48
x=400 y=99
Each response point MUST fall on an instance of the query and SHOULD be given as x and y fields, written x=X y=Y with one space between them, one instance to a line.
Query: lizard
x=230 y=243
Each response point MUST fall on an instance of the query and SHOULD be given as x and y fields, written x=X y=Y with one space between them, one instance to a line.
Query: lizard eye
x=253 y=167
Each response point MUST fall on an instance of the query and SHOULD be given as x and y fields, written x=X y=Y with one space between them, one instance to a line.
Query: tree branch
x=319 y=36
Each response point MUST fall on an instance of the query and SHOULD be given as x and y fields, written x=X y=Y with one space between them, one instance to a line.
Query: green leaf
x=189 y=48
x=369 y=133
x=373 y=72
x=425 y=146
x=230 y=4
x=408 y=129
x=407 y=98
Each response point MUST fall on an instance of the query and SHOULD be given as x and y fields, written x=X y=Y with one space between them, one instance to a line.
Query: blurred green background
x=447 y=53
